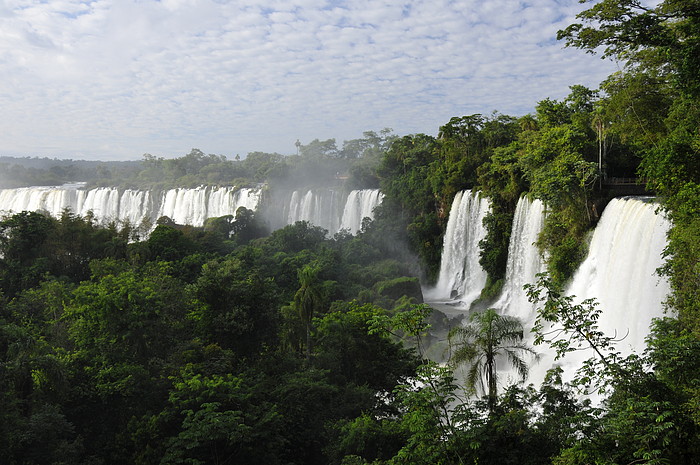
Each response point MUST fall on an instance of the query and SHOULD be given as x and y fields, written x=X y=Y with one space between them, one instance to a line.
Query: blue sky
x=113 y=79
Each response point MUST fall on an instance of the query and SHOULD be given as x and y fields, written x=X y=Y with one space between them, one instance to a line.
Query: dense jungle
x=234 y=343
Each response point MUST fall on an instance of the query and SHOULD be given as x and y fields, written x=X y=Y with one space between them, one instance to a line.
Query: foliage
x=223 y=344
x=644 y=420
x=664 y=35
x=481 y=344
x=308 y=300
x=420 y=176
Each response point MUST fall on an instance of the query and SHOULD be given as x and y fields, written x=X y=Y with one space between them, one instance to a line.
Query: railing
x=625 y=181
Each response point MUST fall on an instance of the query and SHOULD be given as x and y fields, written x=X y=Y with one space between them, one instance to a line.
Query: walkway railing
x=624 y=181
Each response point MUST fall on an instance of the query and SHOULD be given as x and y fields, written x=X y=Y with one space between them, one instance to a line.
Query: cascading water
x=461 y=276
x=620 y=273
x=524 y=260
x=620 y=270
x=103 y=202
x=49 y=199
x=625 y=251
x=322 y=207
x=359 y=205
x=134 y=205
x=184 y=206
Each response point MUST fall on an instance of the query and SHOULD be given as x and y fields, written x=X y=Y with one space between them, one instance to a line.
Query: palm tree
x=308 y=300
x=527 y=123
x=480 y=344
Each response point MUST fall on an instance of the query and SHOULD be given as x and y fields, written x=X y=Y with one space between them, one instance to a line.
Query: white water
x=619 y=271
x=461 y=275
x=326 y=208
x=184 y=206
x=359 y=205
x=524 y=260
x=320 y=207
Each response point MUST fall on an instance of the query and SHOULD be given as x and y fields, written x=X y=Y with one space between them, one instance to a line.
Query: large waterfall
x=619 y=271
x=184 y=206
x=461 y=276
x=328 y=208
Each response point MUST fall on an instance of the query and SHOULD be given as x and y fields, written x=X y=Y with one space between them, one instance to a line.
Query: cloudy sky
x=113 y=79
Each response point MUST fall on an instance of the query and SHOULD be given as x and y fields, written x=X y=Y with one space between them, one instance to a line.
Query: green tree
x=219 y=419
x=126 y=331
x=665 y=35
x=410 y=206
x=23 y=250
x=431 y=416
x=480 y=344
x=553 y=160
x=308 y=300
x=239 y=307
x=168 y=243
x=353 y=356
x=318 y=149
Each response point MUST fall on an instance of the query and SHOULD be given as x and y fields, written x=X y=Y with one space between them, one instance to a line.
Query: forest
x=231 y=343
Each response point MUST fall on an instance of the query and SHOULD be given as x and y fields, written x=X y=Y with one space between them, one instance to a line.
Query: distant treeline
x=34 y=171
x=318 y=162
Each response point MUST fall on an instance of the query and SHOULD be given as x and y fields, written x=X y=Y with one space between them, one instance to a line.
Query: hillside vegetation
x=233 y=344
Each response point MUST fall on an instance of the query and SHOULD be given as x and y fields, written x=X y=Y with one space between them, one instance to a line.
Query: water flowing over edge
x=461 y=277
x=192 y=206
x=184 y=206
x=524 y=260
x=619 y=271
x=327 y=209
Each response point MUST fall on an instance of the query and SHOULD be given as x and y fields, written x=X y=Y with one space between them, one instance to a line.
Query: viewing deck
x=625 y=181
x=626 y=186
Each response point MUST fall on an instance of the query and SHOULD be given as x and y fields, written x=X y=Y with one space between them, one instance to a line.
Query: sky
x=114 y=79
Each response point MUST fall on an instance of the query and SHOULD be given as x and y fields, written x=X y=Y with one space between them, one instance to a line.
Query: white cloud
x=115 y=79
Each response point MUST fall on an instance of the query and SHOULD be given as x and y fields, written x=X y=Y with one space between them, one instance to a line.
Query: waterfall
x=524 y=260
x=359 y=205
x=322 y=207
x=134 y=206
x=103 y=202
x=620 y=273
x=620 y=270
x=49 y=199
x=184 y=206
x=461 y=275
